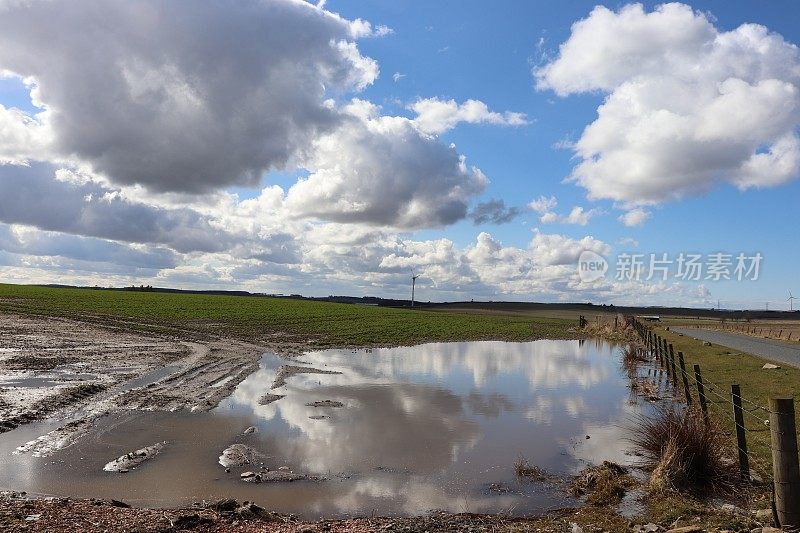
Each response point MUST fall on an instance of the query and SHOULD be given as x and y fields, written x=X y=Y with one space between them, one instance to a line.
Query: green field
x=311 y=323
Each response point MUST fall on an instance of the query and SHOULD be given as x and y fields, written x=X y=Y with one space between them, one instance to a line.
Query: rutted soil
x=77 y=372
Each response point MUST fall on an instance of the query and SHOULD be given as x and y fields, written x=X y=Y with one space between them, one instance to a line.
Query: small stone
x=251 y=429
x=764 y=515
x=730 y=508
x=706 y=343
x=769 y=366
x=247 y=474
x=225 y=505
x=686 y=529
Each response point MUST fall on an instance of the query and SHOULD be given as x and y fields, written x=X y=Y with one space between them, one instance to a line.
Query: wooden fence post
x=685 y=379
x=741 y=437
x=672 y=364
x=785 y=469
x=701 y=391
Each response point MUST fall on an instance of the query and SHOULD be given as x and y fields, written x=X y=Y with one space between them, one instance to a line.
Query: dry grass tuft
x=604 y=484
x=632 y=355
x=525 y=470
x=685 y=452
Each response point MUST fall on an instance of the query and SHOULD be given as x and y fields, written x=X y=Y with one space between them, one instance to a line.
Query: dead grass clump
x=607 y=331
x=525 y=470
x=633 y=355
x=685 y=452
x=603 y=484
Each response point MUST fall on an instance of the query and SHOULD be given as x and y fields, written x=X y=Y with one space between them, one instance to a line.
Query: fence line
x=784 y=472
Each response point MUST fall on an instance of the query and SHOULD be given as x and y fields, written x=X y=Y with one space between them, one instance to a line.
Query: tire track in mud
x=210 y=375
x=122 y=370
x=49 y=405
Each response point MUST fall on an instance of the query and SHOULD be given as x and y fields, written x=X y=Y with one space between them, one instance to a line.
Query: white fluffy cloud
x=687 y=105
x=171 y=103
x=543 y=204
x=158 y=93
x=578 y=215
x=382 y=170
x=634 y=217
x=21 y=137
x=437 y=116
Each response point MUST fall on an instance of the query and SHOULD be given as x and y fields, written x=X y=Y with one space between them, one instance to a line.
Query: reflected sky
x=436 y=426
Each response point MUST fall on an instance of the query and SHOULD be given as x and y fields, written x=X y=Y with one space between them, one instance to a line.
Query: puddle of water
x=148 y=378
x=436 y=426
x=54 y=378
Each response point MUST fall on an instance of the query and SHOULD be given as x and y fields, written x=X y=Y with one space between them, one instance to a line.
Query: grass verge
x=722 y=366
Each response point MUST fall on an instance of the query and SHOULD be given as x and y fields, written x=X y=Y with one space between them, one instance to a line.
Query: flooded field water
x=436 y=426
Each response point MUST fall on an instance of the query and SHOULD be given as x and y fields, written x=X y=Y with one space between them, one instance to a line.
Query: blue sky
x=441 y=51
x=473 y=51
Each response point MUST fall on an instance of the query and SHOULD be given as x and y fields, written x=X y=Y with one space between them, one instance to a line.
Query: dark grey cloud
x=47 y=244
x=493 y=212
x=32 y=196
x=180 y=95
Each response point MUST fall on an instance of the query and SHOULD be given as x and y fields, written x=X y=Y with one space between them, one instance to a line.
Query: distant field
x=278 y=320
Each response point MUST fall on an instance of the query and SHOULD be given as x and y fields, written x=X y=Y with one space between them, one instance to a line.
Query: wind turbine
x=413 y=285
x=791 y=299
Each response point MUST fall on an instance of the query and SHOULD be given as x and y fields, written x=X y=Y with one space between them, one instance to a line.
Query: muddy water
x=437 y=426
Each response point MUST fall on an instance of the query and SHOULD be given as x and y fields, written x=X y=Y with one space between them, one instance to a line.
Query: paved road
x=783 y=352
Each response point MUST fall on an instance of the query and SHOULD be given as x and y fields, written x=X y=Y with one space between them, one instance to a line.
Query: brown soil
x=58 y=515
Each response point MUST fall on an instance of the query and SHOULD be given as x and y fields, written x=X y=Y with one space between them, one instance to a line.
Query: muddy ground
x=77 y=372
x=63 y=514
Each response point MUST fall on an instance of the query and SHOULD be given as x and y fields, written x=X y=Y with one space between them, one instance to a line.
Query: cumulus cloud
x=578 y=216
x=42 y=196
x=634 y=217
x=687 y=105
x=554 y=249
x=33 y=242
x=21 y=136
x=158 y=93
x=382 y=170
x=437 y=116
x=628 y=241
x=543 y=204
x=495 y=211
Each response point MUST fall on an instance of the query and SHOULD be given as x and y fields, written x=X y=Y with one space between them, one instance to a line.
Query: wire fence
x=722 y=400
x=746 y=423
